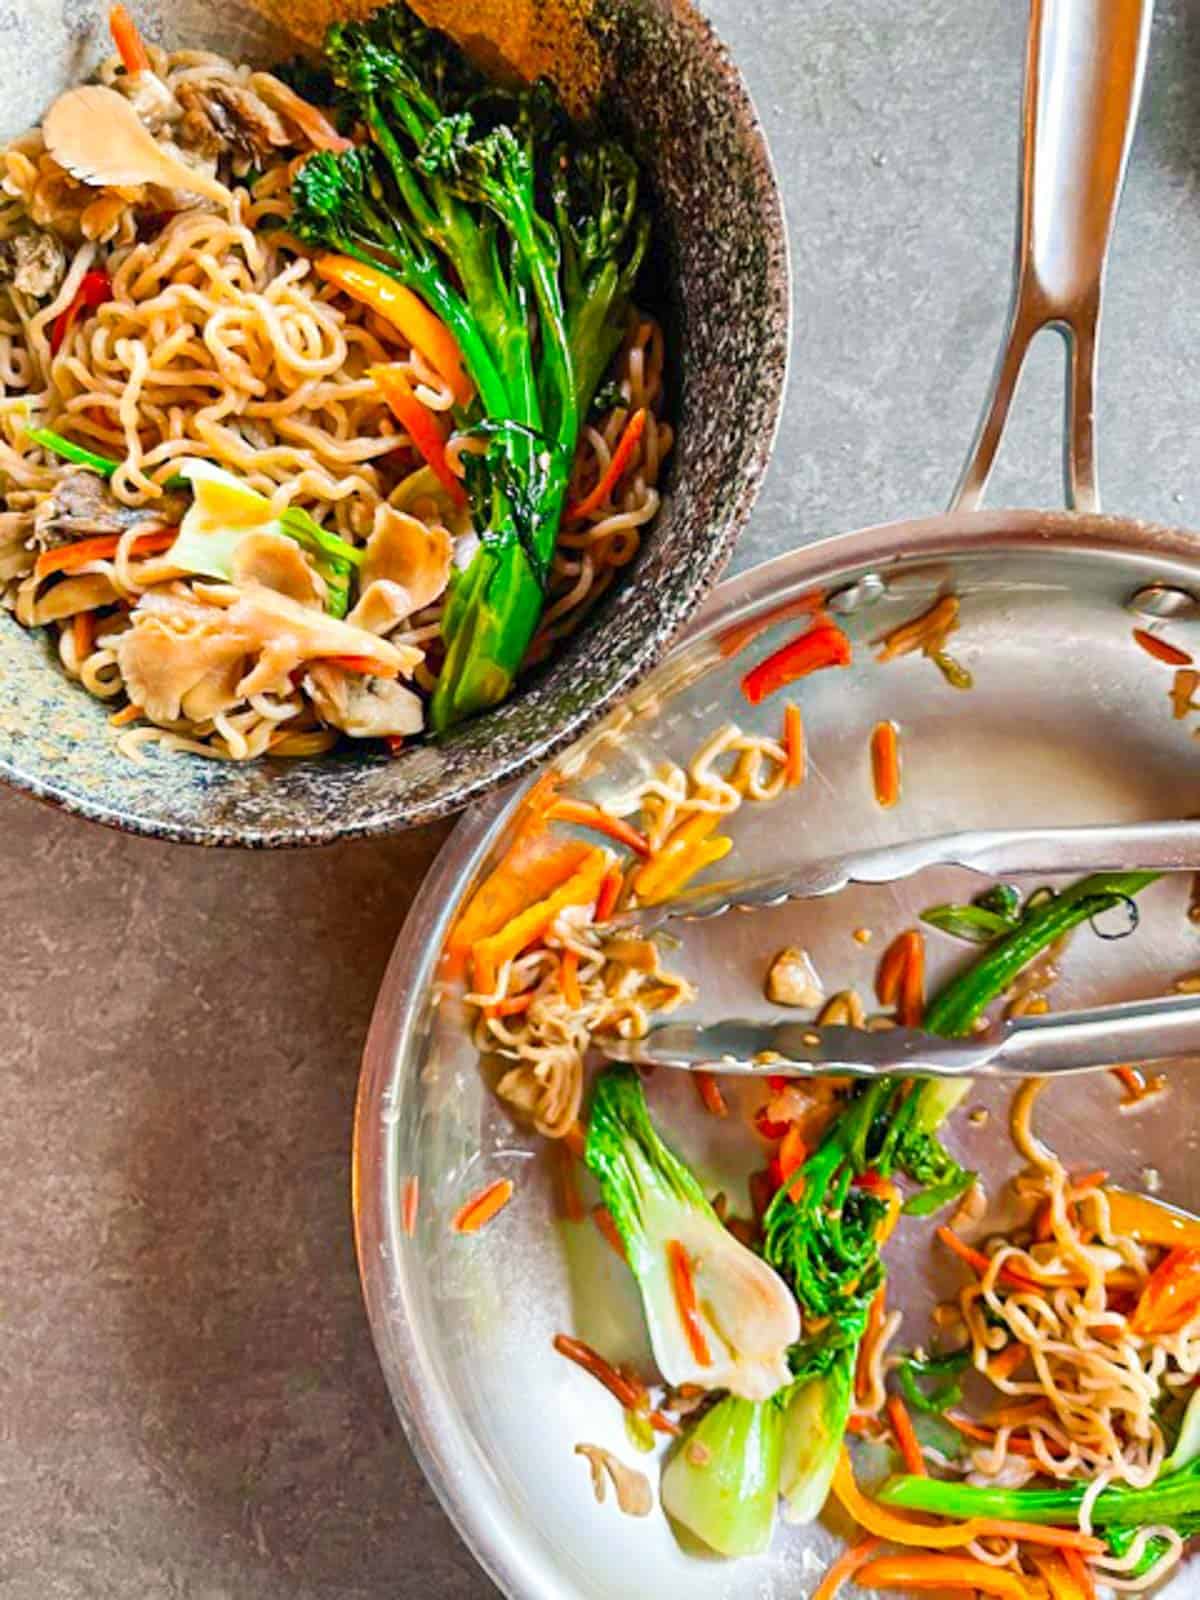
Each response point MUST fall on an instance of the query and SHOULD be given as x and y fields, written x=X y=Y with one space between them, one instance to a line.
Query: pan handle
x=1084 y=71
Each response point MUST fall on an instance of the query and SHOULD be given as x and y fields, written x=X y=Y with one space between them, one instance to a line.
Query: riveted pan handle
x=1083 y=83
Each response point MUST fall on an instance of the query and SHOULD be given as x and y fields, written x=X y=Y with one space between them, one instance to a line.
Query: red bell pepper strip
x=94 y=290
x=824 y=645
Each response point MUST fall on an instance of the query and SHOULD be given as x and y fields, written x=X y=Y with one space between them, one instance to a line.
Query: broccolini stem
x=954 y=1012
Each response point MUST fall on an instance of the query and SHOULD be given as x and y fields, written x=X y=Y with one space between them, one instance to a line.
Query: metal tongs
x=1148 y=1030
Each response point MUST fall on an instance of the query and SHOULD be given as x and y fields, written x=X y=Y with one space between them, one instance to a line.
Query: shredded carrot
x=846 y=1565
x=793 y=743
x=603 y=1218
x=1161 y=649
x=70 y=557
x=906 y=1439
x=1136 y=1084
x=368 y=666
x=128 y=41
x=710 y=1094
x=125 y=716
x=600 y=821
x=575 y=1139
x=664 y=1424
x=685 y=851
x=1078 y=1569
x=482 y=1207
x=684 y=1288
x=735 y=639
x=568 y=977
x=891 y=971
x=1183 y=692
x=535 y=864
x=83 y=634
x=614 y=472
x=420 y=424
x=975 y=1259
x=1052 y=1567
x=927 y=632
x=513 y=1005
x=874 y=1327
x=793 y=1152
x=1006 y=1363
x=1089 y=1180
x=885 y=763
x=910 y=1572
x=970 y=1429
x=627 y=1391
x=410 y=1199
x=911 y=1008
x=610 y=893
x=569 y=1197
x=1017 y=1416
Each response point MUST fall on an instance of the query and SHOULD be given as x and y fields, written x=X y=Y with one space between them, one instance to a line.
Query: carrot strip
x=615 y=470
x=532 y=924
x=846 y=1565
x=793 y=743
x=710 y=1094
x=610 y=892
x=570 y=1199
x=1017 y=1416
x=1076 y=1566
x=128 y=41
x=684 y=1287
x=126 y=715
x=735 y=639
x=663 y=1424
x=910 y=1572
x=603 y=1218
x=575 y=1139
x=584 y=815
x=420 y=425
x=1161 y=649
x=792 y=1153
x=906 y=1439
x=885 y=764
x=482 y=1207
x=975 y=1259
x=514 y=1005
x=83 y=634
x=367 y=666
x=874 y=1327
x=568 y=977
x=911 y=1007
x=1006 y=1363
x=70 y=557
x=410 y=1199
x=627 y=1391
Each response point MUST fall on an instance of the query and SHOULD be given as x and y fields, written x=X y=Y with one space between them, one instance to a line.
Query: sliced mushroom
x=409 y=556
x=276 y=562
x=167 y=669
x=220 y=117
x=81 y=502
x=363 y=707
x=34 y=262
x=16 y=552
x=82 y=593
x=793 y=980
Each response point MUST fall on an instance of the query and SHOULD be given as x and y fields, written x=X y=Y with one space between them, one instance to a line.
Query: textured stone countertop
x=189 y=1400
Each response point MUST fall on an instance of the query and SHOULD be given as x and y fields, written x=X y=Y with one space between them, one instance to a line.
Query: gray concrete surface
x=189 y=1401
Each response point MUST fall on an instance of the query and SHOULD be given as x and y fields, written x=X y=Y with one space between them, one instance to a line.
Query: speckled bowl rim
x=777 y=315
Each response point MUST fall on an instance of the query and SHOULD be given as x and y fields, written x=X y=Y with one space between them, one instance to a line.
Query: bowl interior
x=1068 y=723
x=722 y=283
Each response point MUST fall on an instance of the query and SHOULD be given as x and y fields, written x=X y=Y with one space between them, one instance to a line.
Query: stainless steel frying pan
x=1069 y=722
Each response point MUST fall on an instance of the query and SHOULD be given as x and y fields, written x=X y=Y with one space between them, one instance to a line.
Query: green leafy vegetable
x=525 y=236
x=814 y=1428
x=944 y=1371
x=744 y=1319
x=83 y=457
x=1173 y=1501
x=722 y=1482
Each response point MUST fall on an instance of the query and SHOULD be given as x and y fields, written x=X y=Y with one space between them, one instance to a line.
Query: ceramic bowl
x=725 y=292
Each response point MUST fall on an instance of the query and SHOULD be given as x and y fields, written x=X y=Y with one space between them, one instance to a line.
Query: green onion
x=83 y=457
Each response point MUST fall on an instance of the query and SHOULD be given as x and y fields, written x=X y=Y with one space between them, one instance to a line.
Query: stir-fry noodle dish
x=1037 y=1437
x=326 y=404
